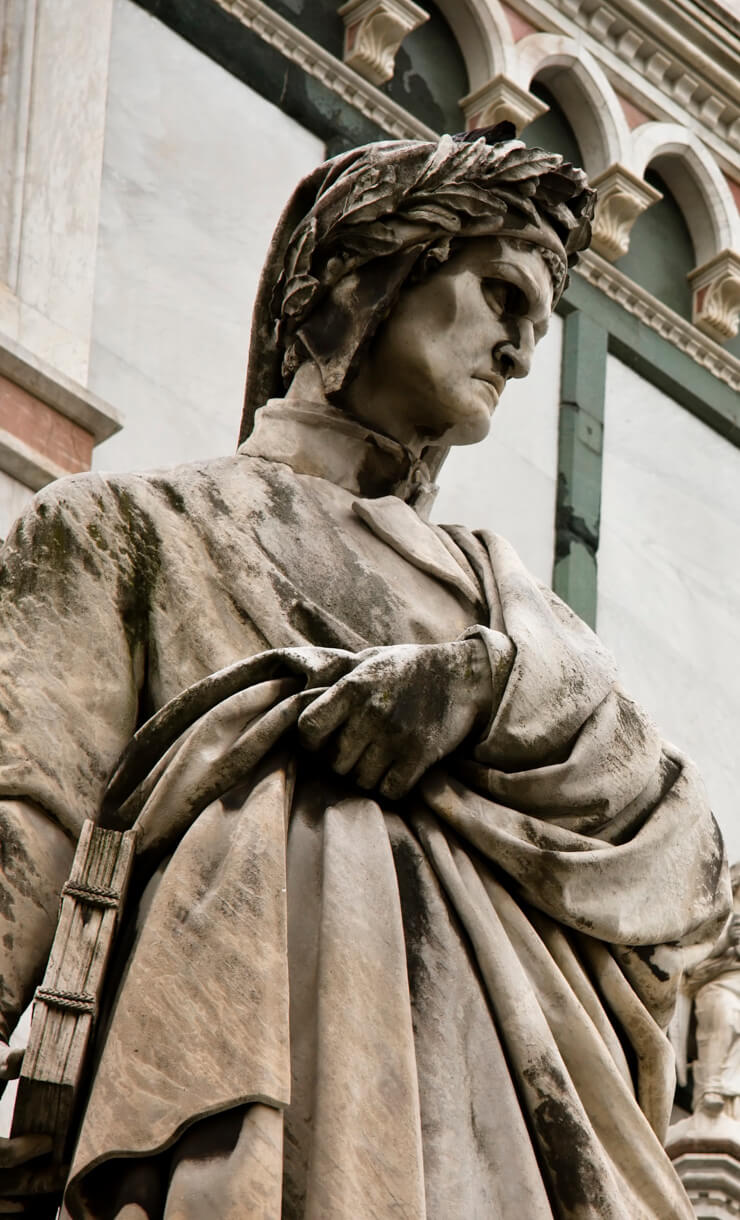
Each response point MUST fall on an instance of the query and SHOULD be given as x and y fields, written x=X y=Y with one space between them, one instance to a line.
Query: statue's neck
x=317 y=439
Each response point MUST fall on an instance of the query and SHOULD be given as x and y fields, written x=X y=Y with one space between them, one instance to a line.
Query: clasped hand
x=400 y=710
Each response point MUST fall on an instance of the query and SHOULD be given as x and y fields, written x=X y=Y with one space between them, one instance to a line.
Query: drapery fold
x=554 y=879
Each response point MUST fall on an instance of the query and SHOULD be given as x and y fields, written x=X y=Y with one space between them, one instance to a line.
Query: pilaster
x=580 y=451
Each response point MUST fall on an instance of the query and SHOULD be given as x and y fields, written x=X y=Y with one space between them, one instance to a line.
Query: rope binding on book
x=71 y=1001
x=92 y=895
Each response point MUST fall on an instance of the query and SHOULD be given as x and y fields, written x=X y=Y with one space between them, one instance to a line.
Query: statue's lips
x=493 y=379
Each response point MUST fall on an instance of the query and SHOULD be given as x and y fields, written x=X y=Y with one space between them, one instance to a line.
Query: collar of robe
x=320 y=440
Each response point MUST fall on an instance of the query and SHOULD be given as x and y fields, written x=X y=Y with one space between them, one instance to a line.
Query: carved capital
x=716 y=288
x=373 y=32
x=499 y=100
x=622 y=197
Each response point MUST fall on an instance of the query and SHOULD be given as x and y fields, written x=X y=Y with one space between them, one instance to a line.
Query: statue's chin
x=474 y=428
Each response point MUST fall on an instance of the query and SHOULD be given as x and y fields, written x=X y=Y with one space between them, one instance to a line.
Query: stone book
x=66 y=1004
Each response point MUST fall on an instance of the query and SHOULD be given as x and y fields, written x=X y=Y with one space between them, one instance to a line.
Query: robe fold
x=452 y=1005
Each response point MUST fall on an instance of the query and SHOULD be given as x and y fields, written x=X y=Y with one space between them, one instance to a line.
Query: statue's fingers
x=352 y=742
x=402 y=777
x=322 y=717
x=11 y=1062
x=373 y=764
x=18 y=1149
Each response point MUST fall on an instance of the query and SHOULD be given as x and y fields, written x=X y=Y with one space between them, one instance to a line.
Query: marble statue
x=416 y=880
x=712 y=988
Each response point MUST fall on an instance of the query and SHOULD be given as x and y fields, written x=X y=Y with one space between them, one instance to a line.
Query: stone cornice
x=671 y=59
x=319 y=63
x=670 y=325
x=58 y=391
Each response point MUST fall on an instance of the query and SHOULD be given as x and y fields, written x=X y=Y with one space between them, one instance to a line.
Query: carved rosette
x=622 y=197
x=501 y=99
x=716 y=288
x=373 y=32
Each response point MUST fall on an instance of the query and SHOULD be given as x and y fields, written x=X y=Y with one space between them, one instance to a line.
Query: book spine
x=66 y=1004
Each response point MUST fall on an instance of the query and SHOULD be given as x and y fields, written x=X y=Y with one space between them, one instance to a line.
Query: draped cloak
x=451 y=1005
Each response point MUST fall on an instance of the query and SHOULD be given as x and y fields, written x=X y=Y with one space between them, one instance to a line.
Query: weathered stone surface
x=415 y=879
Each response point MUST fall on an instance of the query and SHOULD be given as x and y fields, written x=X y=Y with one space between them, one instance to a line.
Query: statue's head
x=418 y=272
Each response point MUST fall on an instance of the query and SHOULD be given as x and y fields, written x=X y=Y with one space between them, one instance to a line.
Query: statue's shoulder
x=106 y=515
x=141 y=492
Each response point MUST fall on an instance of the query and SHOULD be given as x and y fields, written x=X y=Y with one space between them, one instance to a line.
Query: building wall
x=669 y=578
x=196 y=170
x=14 y=496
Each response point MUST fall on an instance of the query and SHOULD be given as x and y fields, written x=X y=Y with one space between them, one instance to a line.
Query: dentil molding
x=668 y=56
x=373 y=32
x=666 y=322
x=622 y=197
x=296 y=46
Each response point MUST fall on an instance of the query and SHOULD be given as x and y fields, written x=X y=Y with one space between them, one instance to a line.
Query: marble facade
x=196 y=170
x=670 y=524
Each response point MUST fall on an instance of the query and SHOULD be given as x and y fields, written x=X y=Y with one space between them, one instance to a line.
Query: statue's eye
x=505 y=298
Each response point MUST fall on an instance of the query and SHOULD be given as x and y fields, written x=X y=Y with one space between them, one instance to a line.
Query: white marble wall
x=508 y=482
x=669 y=577
x=14 y=497
x=53 y=74
x=197 y=168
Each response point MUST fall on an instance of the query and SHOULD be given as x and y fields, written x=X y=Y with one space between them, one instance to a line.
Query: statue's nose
x=514 y=356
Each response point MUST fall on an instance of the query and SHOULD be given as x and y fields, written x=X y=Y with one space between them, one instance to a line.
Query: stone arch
x=484 y=36
x=695 y=180
x=582 y=90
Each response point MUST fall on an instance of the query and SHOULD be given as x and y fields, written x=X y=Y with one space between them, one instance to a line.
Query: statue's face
x=439 y=363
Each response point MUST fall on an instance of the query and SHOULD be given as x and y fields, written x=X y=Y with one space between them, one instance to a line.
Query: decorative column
x=373 y=32
x=622 y=197
x=716 y=288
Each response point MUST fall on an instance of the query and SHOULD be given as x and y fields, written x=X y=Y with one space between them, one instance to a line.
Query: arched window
x=661 y=252
x=430 y=76
x=552 y=130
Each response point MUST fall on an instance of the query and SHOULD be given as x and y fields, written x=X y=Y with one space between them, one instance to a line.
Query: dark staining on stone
x=416 y=923
x=571 y=527
x=564 y=1144
x=42 y=549
x=213 y=493
x=173 y=497
x=138 y=577
x=645 y=954
x=283 y=503
x=16 y=865
x=7 y=903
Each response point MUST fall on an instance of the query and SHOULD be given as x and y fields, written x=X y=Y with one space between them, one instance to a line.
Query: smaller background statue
x=707 y=1033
